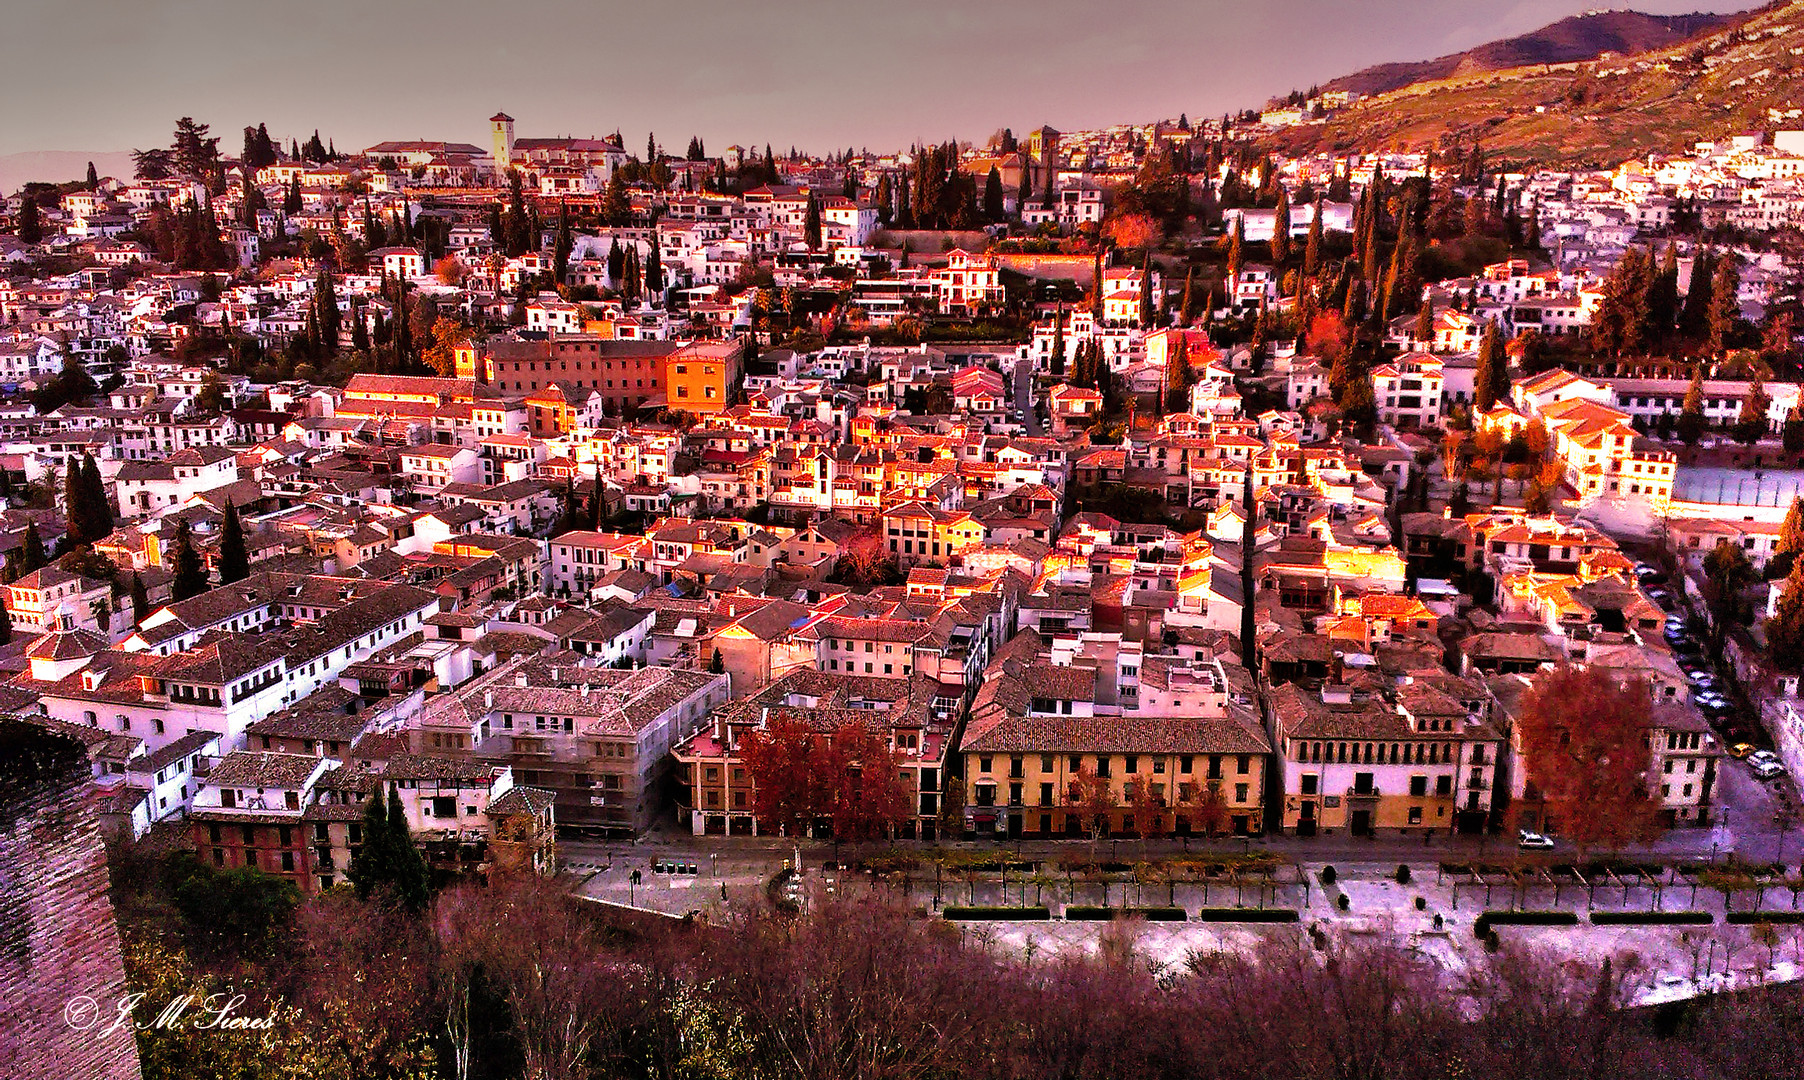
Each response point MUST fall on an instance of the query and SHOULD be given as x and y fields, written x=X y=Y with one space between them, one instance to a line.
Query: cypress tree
x=1281 y=230
x=1146 y=293
x=1425 y=323
x=234 y=558
x=1312 y=248
x=190 y=571
x=1056 y=362
x=992 y=196
x=140 y=600
x=75 y=504
x=1492 y=380
x=35 y=556
x=1690 y=425
x=1785 y=630
x=99 y=510
x=1791 y=540
x=1096 y=269
x=1187 y=313
x=1725 y=308
x=1236 y=258
x=6 y=622
x=30 y=226
x=811 y=223
x=1694 y=317
x=1248 y=535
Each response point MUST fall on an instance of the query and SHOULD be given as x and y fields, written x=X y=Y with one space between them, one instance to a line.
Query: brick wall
x=58 y=938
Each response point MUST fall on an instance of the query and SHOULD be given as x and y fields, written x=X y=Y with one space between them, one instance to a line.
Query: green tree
x=1236 y=253
x=30 y=226
x=1690 y=426
x=1726 y=573
x=35 y=557
x=1281 y=230
x=1492 y=380
x=811 y=222
x=1785 y=630
x=190 y=571
x=1725 y=307
x=992 y=196
x=716 y=664
x=1751 y=425
x=99 y=508
x=1147 y=310
x=75 y=509
x=1312 y=247
x=234 y=558
x=6 y=625
x=1186 y=309
x=140 y=600
x=388 y=866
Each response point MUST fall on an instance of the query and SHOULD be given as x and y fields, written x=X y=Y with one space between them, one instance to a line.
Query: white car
x=1533 y=841
x=1767 y=770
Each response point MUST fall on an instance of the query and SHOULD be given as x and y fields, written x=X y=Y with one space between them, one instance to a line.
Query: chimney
x=488 y=699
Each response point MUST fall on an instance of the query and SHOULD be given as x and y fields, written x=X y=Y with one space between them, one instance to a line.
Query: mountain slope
x=1580 y=37
x=1591 y=113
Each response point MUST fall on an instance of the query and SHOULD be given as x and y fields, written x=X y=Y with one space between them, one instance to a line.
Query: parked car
x=1533 y=841
x=1767 y=770
x=1741 y=750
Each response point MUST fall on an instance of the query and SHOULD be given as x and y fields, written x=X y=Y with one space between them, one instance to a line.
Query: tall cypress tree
x=1312 y=248
x=1146 y=293
x=811 y=222
x=1281 y=230
x=1492 y=380
x=99 y=509
x=234 y=559
x=190 y=571
x=75 y=504
x=35 y=556
x=140 y=600
x=992 y=196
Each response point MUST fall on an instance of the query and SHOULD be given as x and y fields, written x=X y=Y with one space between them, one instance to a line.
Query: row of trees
x=520 y=981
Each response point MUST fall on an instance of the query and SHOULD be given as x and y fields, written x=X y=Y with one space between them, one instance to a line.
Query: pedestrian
x=723 y=890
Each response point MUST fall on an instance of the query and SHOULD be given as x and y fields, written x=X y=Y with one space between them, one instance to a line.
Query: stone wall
x=58 y=938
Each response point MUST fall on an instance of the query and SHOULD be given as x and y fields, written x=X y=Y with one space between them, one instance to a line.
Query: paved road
x=1024 y=395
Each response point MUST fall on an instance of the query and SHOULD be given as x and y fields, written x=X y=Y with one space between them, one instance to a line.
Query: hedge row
x=1484 y=922
x=1093 y=913
x=998 y=914
x=1229 y=914
x=1650 y=918
x=1743 y=918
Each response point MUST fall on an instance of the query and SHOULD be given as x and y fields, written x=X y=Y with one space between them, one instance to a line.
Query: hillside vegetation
x=1580 y=37
x=1592 y=113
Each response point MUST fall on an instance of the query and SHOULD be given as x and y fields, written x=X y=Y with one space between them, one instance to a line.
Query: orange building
x=702 y=376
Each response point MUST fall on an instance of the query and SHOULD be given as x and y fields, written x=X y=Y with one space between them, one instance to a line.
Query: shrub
x=1345 y=904
x=1421 y=903
x=1403 y=873
x=1266 y=915
x=1523 y=918
x=1650 y=918
x=1745 y=918
x=997 y=914
x=1328 y=875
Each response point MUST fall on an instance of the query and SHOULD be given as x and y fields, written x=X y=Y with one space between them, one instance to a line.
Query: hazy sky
x=819 y=74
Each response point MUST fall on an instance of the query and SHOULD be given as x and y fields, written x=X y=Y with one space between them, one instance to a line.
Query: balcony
x=1370 y=793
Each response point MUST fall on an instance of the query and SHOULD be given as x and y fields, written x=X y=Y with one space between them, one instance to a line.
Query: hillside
x=1592 y=113
x=1580 y=37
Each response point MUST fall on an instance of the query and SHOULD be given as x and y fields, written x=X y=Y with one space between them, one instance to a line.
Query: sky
x=98 y=75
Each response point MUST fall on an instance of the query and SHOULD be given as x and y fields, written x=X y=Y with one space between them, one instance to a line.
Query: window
x=1311 y=782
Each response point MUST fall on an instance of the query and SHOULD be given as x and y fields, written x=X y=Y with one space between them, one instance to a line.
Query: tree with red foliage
x=1091 y=800
x=1146 y=810
x=1584 y=741
x=783 y=759
x=863 y=782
